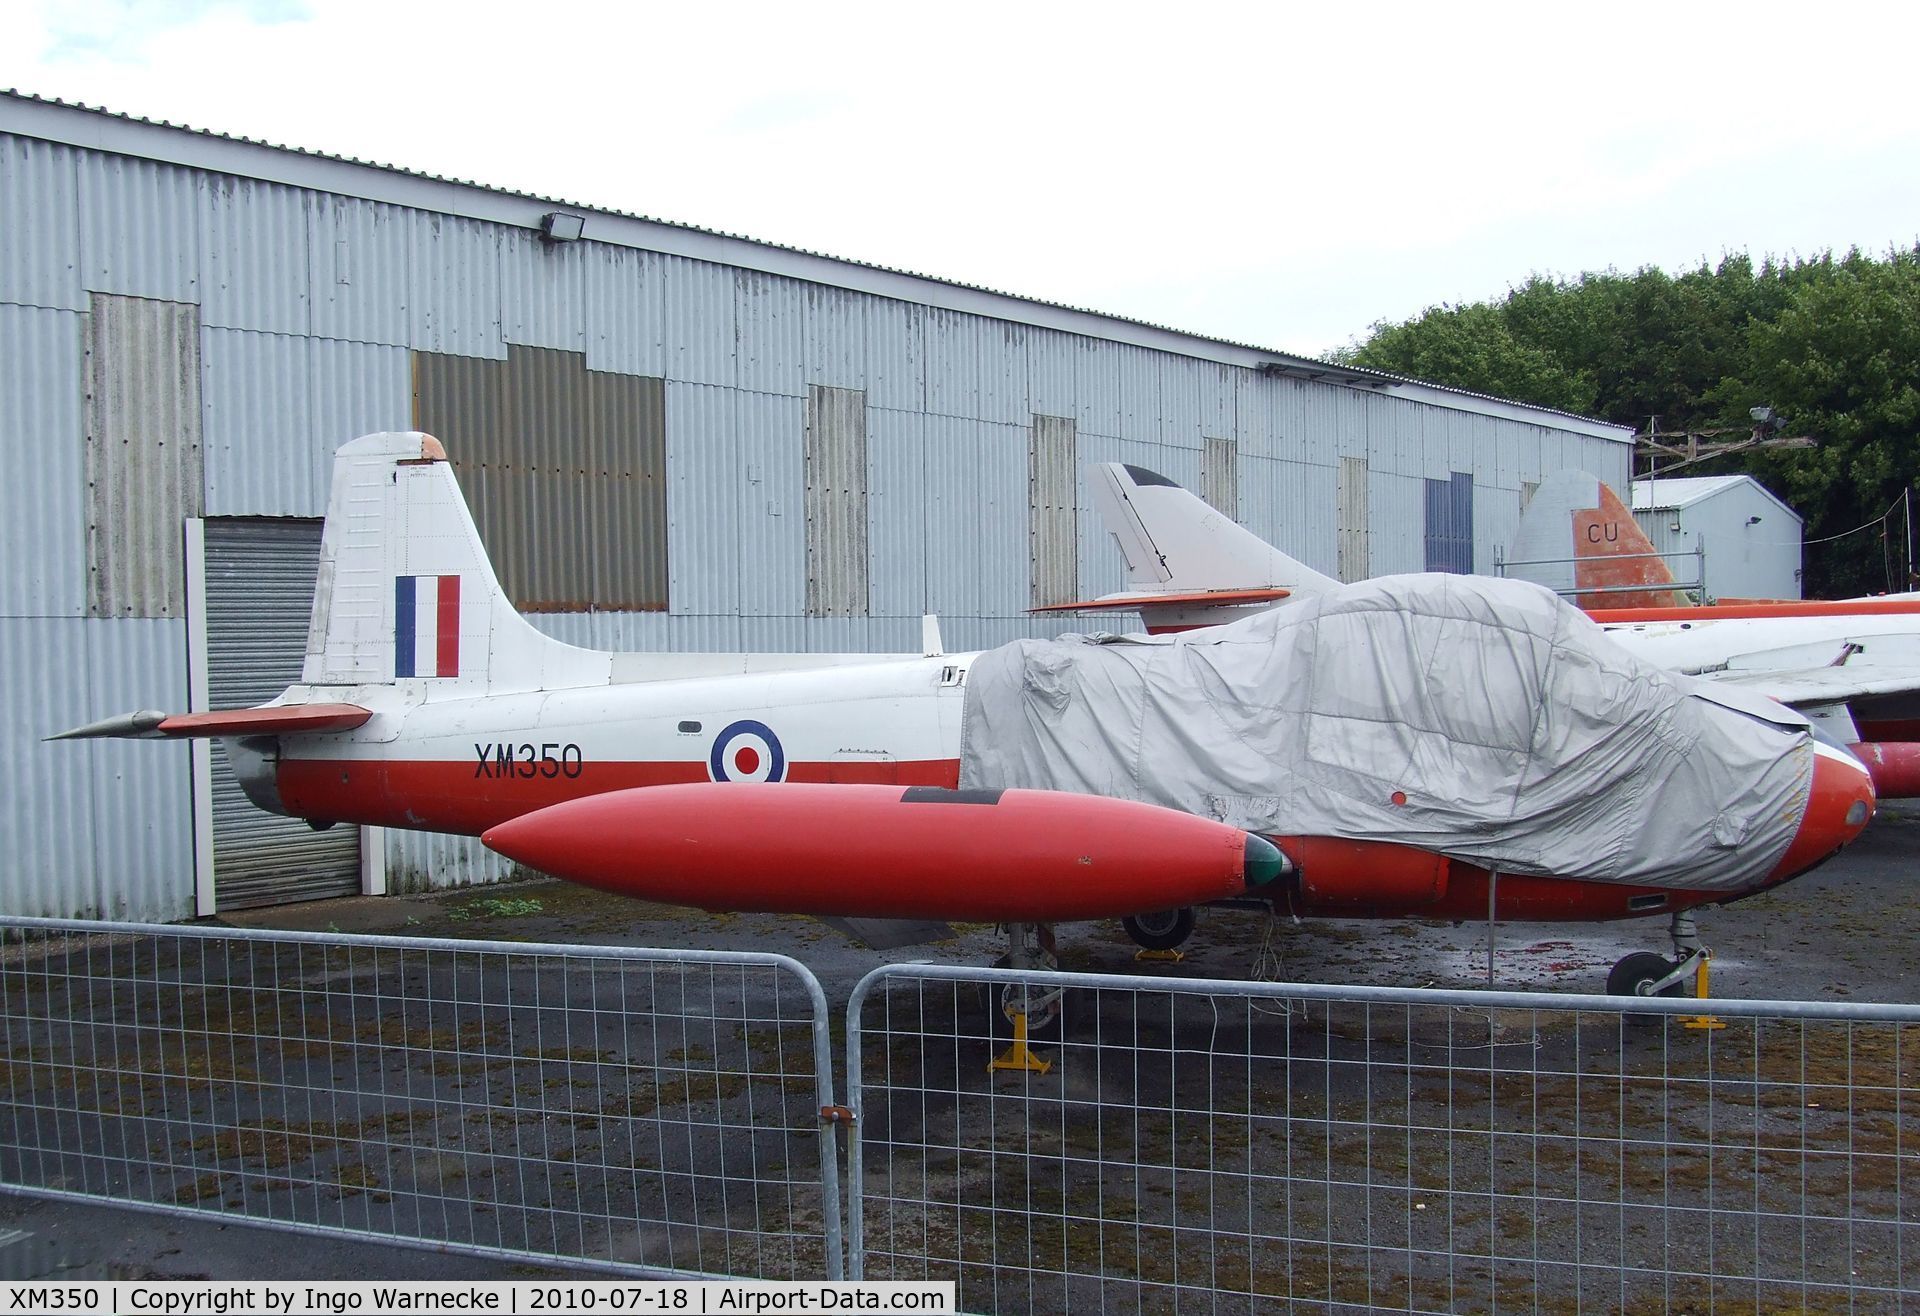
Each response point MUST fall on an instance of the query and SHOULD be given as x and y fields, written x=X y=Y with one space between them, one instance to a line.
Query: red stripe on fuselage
x=1749 y=611
x=467 y=797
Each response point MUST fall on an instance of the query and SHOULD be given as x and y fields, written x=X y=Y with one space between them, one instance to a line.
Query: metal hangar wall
x=671 y=439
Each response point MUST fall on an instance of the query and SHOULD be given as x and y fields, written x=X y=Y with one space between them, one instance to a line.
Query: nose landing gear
x=1645 y=973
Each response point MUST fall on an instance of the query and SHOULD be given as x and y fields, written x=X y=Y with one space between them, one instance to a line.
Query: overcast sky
x=1276 y=174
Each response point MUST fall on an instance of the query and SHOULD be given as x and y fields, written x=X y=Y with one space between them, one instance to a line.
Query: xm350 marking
x=525 y=760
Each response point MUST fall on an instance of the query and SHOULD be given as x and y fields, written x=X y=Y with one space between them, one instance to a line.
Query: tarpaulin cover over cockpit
x=1517 y=734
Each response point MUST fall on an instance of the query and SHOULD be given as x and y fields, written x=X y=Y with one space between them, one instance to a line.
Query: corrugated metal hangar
x=671 y=438
x=1748 y=542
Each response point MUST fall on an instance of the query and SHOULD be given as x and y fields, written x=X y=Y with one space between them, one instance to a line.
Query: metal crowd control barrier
x=619 y=1110
x=1234 y=1146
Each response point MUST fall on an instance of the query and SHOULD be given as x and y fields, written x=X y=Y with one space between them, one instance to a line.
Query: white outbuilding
x=1749 y=540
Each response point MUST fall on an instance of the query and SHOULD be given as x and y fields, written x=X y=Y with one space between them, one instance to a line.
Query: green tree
x=1833 y=345
x=1472 y=347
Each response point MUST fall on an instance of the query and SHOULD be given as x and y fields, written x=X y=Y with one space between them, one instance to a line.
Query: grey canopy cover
x=1520 y=737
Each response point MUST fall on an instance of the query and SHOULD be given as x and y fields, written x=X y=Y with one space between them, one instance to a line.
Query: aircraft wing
x=278 y=720
x=1218 y=598
x=1822 y=685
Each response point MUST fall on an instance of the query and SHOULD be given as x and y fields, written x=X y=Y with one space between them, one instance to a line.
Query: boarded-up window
x=1053 y=526
x=1450 y=524
x=565 y=470
x=836 y=502
x=144 y=463
x=1220 y=476
x=1351 y=544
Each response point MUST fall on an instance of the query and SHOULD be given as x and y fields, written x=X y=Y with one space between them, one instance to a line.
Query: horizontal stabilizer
x=1217 y=598
x=280 y=720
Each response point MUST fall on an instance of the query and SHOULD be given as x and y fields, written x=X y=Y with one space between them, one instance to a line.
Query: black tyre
x=1638 y=970
x=1046 y=1008
x=1161 y=931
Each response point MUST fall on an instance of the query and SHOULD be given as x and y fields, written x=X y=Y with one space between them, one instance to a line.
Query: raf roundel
x=747 y=751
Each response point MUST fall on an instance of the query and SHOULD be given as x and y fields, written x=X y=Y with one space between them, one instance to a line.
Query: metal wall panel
x=359 y=255
x=40 y=258
x=1051 y=362
x=1053 y=493
x=356 y=388
x=976 y=367
x=1101 y=569
x=771 y=315
x=257 y=401
x=1140 y=408
x=259 y=602
x=833 y=337
x=142 y=815
x=1220 y=476
x=1270 y=415
x=453 y=286
x=896 y=355
x=564 y=469
x=1100 y=407
x=255 y=266
x=1182 y=422
x=897 y=535
x=976 y=515
x=143 y=453
x=1470 y=442
x=543 y=291
x=1350 y=492
x=836 y=476
x=700 y=322
x=139 y=228
x=1325 y=426
x=1291 y=506
x=1506 y=457
x=92 y=828
x=626 y=310
x=1396 y=509
x=1496 y=514
x=47 y=808
x=771 y=553
x=43 y=500
x=703 y=509
x=1449 y=523
x=428 y=861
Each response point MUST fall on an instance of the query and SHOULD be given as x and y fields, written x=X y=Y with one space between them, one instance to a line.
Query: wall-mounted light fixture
x=558 y=226
x=1753 y=520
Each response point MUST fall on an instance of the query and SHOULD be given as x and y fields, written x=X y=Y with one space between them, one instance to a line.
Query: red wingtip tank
x=890 y=851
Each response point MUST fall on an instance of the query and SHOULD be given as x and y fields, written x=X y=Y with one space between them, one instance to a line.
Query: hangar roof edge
x=96 y=128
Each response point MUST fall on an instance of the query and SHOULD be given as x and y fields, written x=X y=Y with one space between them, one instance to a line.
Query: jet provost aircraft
x=839 y=785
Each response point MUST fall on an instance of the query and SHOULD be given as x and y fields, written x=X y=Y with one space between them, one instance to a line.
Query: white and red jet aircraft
x=1851 y=666
x=809 y=783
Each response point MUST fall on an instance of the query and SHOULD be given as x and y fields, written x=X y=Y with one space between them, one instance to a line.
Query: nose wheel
x=1646 y=973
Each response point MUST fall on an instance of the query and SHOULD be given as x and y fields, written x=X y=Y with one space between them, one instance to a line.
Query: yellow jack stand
x=1019 y=1055
x=1144 y=955
x=1702 y=1021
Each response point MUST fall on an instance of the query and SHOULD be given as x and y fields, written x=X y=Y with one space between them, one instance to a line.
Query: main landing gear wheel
x=1634 y=974
x=1030 y=946
x=1161 y=931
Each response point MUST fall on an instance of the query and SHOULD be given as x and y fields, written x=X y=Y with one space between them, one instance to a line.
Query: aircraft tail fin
x=1578 y=539
x=1173 y=542
x=405 y=590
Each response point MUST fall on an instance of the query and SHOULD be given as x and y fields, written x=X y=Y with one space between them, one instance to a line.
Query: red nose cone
x=1839 y=803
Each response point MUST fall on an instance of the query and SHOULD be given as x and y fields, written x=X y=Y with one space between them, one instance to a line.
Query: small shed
x=1750 y=540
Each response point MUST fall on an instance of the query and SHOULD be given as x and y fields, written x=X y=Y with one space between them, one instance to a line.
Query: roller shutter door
x=259 y=600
